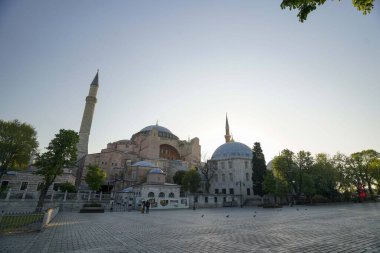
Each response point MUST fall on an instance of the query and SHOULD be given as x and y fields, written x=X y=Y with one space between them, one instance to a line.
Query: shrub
x=319 y=199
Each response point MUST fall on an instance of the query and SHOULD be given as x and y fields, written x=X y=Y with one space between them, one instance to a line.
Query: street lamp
x=241 y=194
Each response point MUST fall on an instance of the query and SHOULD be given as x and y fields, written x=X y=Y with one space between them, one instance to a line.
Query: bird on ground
x=297 y=209
x=203 y=215
x=227 y=216
x=305 y=208
x=255 y=211
x=254 y=216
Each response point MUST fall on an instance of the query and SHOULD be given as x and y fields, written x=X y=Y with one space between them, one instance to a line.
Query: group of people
x=145 y=205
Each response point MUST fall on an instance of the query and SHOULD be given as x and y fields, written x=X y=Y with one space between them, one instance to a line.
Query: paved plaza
x=324 y=228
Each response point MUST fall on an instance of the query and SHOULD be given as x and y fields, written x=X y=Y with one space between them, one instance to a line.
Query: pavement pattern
x=321 y=228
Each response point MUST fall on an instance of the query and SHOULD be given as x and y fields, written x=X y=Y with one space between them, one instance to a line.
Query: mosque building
x=233 y=169
x=129 y=161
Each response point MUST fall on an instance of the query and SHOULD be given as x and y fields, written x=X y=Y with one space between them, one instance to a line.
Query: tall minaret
x=85 y=127
x=227 y=136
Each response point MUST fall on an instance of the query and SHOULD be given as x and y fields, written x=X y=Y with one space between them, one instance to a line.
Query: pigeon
x=255 y=211
x=203 y=215
x=254 y=216
x=227 y=216
x=305 y=208
x=297 y=209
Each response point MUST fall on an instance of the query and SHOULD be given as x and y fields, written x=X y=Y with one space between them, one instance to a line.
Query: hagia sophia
x=147 y=161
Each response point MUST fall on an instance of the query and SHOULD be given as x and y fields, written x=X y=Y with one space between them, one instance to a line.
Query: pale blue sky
x=304 y=86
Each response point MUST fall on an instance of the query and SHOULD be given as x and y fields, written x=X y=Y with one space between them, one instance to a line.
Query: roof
x=156 y=171
x=231 y=150
x=143 y=164
x=159 y=128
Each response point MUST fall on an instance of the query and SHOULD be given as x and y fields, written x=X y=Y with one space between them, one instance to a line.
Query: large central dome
x=163 y=132
x=231 y=150
x=159 y=128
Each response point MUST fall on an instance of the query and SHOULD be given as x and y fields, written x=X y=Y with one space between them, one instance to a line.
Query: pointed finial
x=227 y=136
x=96 y=79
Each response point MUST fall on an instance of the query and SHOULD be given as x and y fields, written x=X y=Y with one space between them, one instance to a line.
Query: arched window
x=151 y=195
x=161 y=195
x=171 y=195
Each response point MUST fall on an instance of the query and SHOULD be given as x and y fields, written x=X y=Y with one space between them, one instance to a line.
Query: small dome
x=126 y=190
x=156 y=171
x=232 y=150
x=143 y=164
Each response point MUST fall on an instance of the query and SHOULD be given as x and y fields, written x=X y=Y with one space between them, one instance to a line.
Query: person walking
x=143 y=207
x=147 y=205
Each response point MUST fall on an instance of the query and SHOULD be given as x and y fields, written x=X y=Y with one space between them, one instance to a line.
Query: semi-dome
x=231 y=150
x=156 y=171
x=143 y=164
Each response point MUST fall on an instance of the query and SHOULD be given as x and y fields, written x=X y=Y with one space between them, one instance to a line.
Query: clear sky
x=304 y=86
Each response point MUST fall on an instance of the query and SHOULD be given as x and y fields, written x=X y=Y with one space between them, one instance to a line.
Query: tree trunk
x=41 y=199
x=370 y=189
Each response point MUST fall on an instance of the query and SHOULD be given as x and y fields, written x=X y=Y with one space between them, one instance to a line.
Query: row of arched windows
x=160 y=195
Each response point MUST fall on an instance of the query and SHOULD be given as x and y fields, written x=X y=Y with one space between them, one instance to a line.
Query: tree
x=95 y=177
x=308 y=187
x=17 y=143
x=285 y=169
x=363 y=168
x=303 y=161
x=70 y=188
x=61 y=153
x=259 y=169
x=191 y=181
x=208 y=171
x=274 y=186
x=325 y=176
x=269 y=183
x=306 y=6
x=178 y=176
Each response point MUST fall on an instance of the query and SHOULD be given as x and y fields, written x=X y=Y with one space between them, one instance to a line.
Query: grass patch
x=9 y=222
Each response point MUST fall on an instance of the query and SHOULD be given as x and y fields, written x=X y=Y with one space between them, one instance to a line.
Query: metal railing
x=13 y=222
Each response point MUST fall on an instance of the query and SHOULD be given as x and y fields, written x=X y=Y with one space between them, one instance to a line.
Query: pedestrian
x=147 y=205
x=143 y=207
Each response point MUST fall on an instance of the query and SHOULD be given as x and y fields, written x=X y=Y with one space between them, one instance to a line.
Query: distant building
x=233 y=170
x=160 y=194
x=127 y=162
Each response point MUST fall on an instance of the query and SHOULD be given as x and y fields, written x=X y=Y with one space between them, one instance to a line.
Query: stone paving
x=325 y=228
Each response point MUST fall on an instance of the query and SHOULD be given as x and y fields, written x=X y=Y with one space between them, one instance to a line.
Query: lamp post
x=241 y=194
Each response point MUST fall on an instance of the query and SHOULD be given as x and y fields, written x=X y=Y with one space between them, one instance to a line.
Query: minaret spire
x=85 y=127
x=227 y=136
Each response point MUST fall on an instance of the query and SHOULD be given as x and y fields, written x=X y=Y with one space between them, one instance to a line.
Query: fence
x=16 y=222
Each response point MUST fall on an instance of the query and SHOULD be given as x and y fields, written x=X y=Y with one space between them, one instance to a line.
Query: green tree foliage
x=285 y=169
x=61 y=153
x=274 y=186
x=70 y=188
x=304 y=7
x=178 y=176
x=269 y=183
x=191 y=181
x=17 y=143
x=308 y=186
x=259 y=169
x=95 y=177
x=363 y=167
x=325 y=176
x=303 y=162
